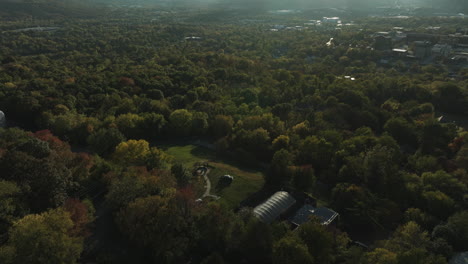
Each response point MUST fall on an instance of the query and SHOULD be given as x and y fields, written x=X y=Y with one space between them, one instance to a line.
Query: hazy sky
x=270 y=4
x=453 y=5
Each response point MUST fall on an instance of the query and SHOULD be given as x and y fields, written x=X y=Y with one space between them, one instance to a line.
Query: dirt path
x=208 y=185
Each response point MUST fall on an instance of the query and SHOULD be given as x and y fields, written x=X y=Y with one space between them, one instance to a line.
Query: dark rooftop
x=325 y=215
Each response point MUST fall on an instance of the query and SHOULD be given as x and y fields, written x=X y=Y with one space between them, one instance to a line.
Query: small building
x=326 y=216
x=274 y=206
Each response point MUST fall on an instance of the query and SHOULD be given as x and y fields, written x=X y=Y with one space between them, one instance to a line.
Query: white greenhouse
x=272 y=208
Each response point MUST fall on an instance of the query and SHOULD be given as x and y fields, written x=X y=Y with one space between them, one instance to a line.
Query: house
x=325 y=215
x=274 y=206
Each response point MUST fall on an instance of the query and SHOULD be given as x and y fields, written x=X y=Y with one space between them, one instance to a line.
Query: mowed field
x=246 y=180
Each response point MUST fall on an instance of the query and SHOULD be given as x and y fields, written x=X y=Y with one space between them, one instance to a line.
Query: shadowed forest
x=109 y=112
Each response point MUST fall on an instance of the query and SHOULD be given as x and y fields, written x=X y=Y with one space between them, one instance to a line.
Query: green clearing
x=246 y=180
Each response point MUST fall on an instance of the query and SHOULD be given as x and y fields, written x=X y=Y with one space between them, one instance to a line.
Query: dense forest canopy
x=119 y=118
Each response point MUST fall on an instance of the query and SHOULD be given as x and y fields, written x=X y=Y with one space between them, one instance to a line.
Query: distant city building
x=38 y=28
x=193 y=38
x=458 y=38
x=400 y=52
x=382 y=43
x=459 y=58
x=422 y=49
x=434 y=38
x=331 y=20
x=441 y=50
x=279 y=26
x=382 y=33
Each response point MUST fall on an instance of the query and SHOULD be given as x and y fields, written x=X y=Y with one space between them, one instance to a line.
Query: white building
x=272 y=208
x=331 y=20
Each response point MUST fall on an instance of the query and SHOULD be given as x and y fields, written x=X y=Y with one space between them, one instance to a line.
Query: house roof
x=325 y=215
x=272 y=208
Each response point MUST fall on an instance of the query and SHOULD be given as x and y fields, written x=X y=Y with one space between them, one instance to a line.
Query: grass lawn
x=246 y=181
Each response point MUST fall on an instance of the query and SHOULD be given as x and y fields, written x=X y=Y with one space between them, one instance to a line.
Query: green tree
x=130 y=125
x=401 y=130
x=380 y=256
x=132 y=152
x=135 y=183
x=181 y=122
x=182 y=174
x=222 y=126
x=10 y=204
x=445 y=183
x=279 y=168
x=438 y=203
x=104 y=141
x=281 y=142
x=152 y=125
x=199 y=123
x=156 y=223
x=455 y=231
x=291 y=250
x=303 y=178
x=319 y=241
x=158 y=159
x=46 y=182
x=44 y=238
x=256 y=242
x=315 y=151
